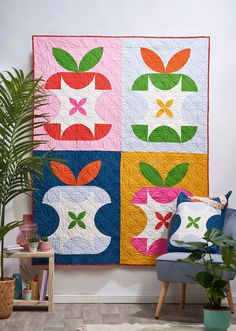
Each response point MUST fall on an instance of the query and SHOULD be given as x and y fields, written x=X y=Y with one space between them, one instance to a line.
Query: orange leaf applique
x=62 y=172
x=89 y=172
x=152 y=60
x=178 y=60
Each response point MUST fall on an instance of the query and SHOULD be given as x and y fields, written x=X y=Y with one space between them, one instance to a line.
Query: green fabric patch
x=176 y=174
x=164 y=134
x=193 y=222
x=164 y=82
x=65 y=59
x=187 y=133
x=188 y=84
x=141 y=83
x=141 y=131
x=151 y=174
x=90 y=59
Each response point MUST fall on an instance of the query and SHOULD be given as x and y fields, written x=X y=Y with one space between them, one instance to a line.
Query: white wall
x=19 y=20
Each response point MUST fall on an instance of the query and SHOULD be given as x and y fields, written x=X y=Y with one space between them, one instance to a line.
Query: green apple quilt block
x=165 y=93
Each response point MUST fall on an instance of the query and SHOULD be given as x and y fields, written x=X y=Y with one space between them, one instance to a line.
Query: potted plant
x=44 y=244
x=20 y=97
x=27 y=291
x=211 y=278
x=33 y=242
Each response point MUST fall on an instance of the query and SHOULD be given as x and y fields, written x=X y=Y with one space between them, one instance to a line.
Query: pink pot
x=45 y=246
x=27 y=294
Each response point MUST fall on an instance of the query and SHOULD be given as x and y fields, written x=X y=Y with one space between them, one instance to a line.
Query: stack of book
x=44 y=285
x=13 y=249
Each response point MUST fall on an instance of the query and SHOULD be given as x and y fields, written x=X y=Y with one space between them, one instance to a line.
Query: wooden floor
x=67 y=317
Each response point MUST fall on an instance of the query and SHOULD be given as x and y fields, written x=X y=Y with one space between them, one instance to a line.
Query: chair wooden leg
x=162 y=296
x=230 y=297
x=183 y=295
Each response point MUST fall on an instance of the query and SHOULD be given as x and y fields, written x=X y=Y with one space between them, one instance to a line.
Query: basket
x=7 y=287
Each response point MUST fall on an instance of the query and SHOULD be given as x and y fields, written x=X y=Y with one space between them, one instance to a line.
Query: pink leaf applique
x=82 y=102
x=73 y=111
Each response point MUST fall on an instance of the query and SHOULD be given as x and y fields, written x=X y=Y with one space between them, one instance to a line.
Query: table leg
x=50 y=284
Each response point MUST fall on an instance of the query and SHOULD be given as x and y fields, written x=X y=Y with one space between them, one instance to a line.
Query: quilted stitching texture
x=138 y=106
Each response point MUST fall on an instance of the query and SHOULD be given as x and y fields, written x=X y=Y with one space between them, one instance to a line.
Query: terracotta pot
x=44 y=246
x=7 y=287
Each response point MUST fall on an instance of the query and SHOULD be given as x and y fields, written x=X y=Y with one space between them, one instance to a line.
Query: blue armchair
x=171 y=271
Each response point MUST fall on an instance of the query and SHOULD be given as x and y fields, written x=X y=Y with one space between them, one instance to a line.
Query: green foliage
x=33 y=238
x=76 y=220
x=8 y=227
x=212 y=277
x=20 y=98
x=26 y=277
x=44 y=239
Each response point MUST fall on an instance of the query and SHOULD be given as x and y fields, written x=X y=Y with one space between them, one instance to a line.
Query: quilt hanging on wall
x=129 y=118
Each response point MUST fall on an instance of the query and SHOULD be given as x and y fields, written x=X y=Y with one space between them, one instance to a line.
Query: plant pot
x=216 y=319
x=33 y=246
x=7 y=287
x=27 y=294
x=45 y=246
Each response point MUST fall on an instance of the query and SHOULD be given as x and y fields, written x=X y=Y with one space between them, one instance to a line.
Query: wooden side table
x=46 y=303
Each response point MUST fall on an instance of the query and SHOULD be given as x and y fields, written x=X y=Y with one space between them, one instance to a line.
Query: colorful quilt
x=128 y=129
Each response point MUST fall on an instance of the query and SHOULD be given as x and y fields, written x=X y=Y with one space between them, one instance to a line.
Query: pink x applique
x=78 y=106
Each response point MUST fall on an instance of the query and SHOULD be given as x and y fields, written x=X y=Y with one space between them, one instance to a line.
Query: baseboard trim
x=62 y=298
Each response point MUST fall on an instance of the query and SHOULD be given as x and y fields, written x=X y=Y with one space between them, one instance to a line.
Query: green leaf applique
x=65 y=59
x=176 y=174
x=90 y=59
x=193 y=222
x=76 y=220
x=151 y=174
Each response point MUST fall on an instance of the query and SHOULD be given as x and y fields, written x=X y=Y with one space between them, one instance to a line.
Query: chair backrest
x=230 y=223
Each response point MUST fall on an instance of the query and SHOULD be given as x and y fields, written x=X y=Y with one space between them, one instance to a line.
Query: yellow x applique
x=164 y=108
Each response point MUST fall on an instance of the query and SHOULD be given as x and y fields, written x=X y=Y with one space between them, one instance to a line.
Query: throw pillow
x=194 y=216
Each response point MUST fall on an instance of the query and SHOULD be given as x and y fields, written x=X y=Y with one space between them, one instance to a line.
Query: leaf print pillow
x=194 y=216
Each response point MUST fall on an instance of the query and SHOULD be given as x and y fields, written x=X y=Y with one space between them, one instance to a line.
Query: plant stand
x=37 y=303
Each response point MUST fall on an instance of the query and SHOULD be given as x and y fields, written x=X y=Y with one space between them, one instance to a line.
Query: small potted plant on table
x=212 y=277
x=27 y=291
x=33 y=242
x=44 y=244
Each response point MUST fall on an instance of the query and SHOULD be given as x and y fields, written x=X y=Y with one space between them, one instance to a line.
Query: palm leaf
x=8 y=227
x=21 y=98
